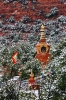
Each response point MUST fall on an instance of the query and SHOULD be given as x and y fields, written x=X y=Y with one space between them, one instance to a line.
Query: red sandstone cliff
x=18 y=10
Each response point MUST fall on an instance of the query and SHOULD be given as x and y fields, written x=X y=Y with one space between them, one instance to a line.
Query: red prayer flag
x=14 y=57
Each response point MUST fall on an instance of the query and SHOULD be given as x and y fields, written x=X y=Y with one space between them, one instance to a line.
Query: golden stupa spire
x=42 y=37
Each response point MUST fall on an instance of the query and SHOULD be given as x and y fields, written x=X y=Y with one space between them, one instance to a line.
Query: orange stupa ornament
x=31 y=79
x=42 y=48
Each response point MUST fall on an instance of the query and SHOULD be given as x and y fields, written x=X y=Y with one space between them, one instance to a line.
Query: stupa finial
x=42 y=37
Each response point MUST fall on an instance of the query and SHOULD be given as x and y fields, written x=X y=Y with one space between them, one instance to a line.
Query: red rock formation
x=18 y=10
